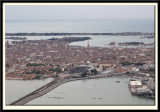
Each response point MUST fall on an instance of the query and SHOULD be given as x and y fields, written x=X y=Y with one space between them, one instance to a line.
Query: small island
x=112 y=43
x=71 y=39
x=134 y=44
x=16 y=38
x=130 y=43
x=147 y=37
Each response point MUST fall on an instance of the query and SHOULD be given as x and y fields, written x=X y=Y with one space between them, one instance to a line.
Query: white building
x=135 y=84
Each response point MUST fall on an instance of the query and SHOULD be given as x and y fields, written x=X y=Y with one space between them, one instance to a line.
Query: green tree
x=94 y=72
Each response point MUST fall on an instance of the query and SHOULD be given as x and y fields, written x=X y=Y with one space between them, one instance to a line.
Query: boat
x=118 y=81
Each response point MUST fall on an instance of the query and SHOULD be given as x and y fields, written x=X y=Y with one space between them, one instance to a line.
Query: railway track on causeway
x=50 y=86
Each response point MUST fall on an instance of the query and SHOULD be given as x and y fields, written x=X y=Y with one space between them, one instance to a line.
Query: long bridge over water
x=52 y=85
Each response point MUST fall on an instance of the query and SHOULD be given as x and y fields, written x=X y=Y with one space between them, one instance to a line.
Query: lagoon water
x=96 y=40
x=81 y=26
x=84 y=92
x=85 y=26
x=105 y=91
x=105 y=40
x=16 y=89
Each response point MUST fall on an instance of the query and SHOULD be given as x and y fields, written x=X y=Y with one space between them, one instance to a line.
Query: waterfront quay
x=144 y=87
x=38 y=59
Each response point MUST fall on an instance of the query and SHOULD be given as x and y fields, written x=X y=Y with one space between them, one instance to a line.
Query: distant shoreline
x=71 y=39
x=65 y=34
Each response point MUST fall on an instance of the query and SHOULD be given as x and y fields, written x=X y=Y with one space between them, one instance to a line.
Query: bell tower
x=88 y=46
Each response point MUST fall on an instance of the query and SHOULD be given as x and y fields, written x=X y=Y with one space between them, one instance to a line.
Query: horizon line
x=9 y=20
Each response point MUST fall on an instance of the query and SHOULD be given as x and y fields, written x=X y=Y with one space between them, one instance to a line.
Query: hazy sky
x=43 y=12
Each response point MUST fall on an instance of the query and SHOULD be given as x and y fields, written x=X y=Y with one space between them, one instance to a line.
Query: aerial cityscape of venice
x=80 y=55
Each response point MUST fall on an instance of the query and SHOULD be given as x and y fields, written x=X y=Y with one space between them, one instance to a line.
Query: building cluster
x=32 y=59
x=144 y=87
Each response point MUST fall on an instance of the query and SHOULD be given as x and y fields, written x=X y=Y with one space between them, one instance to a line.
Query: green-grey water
x=104 y=91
